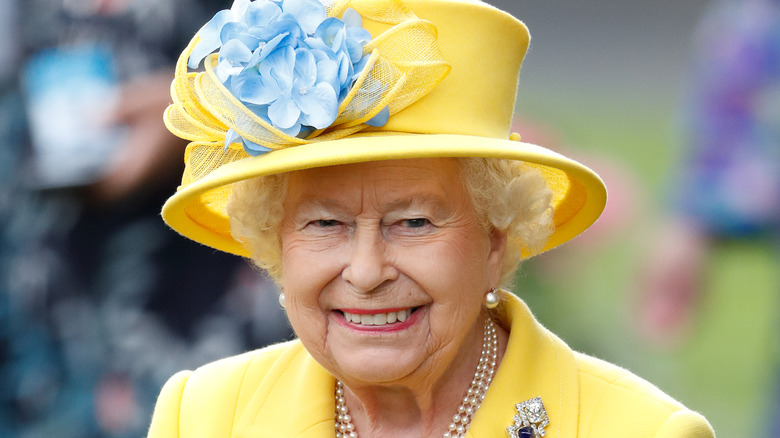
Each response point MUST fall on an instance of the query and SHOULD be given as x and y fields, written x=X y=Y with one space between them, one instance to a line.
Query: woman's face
x=385 y=267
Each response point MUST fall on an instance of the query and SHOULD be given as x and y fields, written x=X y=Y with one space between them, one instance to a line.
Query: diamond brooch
x=530 y=420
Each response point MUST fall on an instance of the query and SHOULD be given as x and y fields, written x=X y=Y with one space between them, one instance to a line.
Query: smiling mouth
x=378 y=319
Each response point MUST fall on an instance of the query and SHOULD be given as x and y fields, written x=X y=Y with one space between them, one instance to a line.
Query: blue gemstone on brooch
x=530 y=421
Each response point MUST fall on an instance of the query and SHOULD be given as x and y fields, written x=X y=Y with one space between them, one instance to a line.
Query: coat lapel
x=294 y=399
x=536 y=364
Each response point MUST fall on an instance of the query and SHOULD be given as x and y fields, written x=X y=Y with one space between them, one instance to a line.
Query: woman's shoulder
x=614 y=401
x=237 y=366
x=211 y=395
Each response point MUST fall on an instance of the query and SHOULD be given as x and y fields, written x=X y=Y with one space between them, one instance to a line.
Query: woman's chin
x=374 y=366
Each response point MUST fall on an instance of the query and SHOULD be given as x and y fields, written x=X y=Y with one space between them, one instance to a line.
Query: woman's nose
x=369 y=265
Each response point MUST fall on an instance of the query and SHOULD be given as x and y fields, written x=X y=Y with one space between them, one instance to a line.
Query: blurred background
x=675 y=104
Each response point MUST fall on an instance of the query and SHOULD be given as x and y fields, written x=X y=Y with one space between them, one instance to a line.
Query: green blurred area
x=725 y=366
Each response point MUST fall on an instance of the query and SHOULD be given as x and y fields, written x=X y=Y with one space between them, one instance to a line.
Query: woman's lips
x=377 y=318
x=381 y=319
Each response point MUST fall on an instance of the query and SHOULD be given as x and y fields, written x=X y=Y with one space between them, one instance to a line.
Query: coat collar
x=536 y=364
x=300 y=402
x=296 y=399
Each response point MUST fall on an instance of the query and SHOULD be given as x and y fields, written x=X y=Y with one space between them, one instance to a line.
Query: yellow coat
x=281 y=392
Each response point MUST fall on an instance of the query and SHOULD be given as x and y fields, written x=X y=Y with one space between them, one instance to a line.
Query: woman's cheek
x=310 y=263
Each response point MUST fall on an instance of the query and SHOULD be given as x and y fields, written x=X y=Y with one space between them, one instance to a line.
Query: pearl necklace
x=468 y=407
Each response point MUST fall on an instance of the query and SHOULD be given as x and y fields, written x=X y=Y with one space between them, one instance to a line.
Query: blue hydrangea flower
x=286 y=61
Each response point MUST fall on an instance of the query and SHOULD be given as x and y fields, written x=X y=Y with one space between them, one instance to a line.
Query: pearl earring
x=492 y=299
x=281 y=299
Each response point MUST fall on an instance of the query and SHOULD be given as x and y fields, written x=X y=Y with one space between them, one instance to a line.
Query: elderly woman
x=358 y=151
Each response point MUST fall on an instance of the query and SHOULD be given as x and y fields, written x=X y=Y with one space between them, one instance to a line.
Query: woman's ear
x=496 y=254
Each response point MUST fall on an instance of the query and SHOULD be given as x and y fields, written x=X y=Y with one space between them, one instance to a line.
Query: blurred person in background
x=732 y=188
x=729 y=194
x=99 y=302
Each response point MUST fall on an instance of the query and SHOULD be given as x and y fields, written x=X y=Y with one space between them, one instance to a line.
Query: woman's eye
x=416 y=222
x=325 y=223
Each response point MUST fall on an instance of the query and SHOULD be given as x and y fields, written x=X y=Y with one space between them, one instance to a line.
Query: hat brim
x=197 y=210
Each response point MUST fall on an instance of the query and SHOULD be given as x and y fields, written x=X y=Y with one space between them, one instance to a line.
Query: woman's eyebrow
x=312 y=204
x=424 y=200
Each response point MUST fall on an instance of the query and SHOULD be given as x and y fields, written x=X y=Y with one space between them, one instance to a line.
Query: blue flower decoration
x=286 y=61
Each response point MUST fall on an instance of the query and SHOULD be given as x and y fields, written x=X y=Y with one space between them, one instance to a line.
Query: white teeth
x=378 y=318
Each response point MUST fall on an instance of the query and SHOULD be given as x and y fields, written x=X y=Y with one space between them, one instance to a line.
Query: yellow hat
x=448 y=72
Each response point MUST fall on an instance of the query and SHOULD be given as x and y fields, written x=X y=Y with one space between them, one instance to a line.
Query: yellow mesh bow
x=405 y=59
